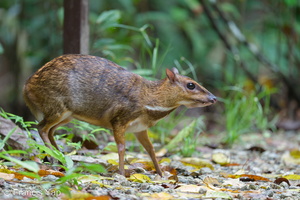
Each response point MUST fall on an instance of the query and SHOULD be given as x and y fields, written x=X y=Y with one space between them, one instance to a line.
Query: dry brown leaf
x=211 y=182
x=6 y=176
x=103 y=197
x=280 y=180
x=43 y=172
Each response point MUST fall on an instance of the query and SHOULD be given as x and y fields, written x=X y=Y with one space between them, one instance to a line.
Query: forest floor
x=260 y=166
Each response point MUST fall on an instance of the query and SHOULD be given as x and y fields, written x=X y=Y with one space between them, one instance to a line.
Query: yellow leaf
x=295 y=153
x=113 y=162
x=77 y=195
x=110 y=156
x=220 y=158
x=162 y=196
x=141 y=178
x=101 y=184
x=167 y=160
x=196 y=163
x=292 y=177
x=291 y=158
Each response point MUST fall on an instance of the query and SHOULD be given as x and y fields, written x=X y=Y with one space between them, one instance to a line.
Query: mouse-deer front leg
x=145 y=141
x=119 y=135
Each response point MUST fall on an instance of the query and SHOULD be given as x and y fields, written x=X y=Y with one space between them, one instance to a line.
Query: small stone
x=119 y=177
x=205 y=170
x=140 y=170
x=155 y=188
x=130 y=191
x=270 y=193
x=285 y=195
x=50 y=178
x=244 y=188
x=284 y=185
x=252 y=187
x=144 y=186
x=275 y=186
x=202 y=190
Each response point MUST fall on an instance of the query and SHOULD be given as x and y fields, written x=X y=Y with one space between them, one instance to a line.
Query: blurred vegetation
x=251 y=45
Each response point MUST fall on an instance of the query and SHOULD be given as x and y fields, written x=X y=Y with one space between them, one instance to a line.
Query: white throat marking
x=158 y=108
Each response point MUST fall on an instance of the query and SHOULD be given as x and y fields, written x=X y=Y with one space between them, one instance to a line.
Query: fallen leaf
x=292 y=177
x=197 y=163
x=220 y=158
x=162 y=196
x=6 y=176
x=280 y=180
x=233 y=182
x=141 y=178
x=291 y=158
x=211 y=182
x=189 y=188
x=162 y=152
x=217 y=194
x=166 y=160
x=256 y=148
x=103 y=197
x=295 y=153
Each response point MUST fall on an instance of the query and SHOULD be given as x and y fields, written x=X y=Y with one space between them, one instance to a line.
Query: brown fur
x=98 y=91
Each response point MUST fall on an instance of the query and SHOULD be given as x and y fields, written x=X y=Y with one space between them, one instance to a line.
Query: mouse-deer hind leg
x=48 y=125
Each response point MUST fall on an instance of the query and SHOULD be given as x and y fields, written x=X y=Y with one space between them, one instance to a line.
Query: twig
x=233 y=50
x=255 y=51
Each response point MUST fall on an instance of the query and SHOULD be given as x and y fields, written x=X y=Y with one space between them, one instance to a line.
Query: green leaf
x=3 y=142
x=185 y=132
x=54 y=153
x=69 y=162
x=34 y=175
x=1 y=49
x=109 y=18
x=30 y=165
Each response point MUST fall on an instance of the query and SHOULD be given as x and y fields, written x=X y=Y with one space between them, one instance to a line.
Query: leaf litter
x=239 y=173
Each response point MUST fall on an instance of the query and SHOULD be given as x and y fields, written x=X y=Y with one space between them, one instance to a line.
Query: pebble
x=155 y=188
x=269 y=193
x=202 y=190
x=205 y=170
x=284 y=185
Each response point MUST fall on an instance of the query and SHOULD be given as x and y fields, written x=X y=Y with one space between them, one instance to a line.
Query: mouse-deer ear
x=175 y=70
x=171 y=74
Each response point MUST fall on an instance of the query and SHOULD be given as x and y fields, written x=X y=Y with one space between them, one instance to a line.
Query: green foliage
x=88 y=132
x=30 y=165
x=244 y=113
x=188 y=136
x=26 y=125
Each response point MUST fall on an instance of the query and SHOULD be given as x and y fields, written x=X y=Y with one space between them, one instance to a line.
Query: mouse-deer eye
x=191 y=86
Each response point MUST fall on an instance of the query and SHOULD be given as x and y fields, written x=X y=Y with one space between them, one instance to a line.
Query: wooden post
x=76 y=27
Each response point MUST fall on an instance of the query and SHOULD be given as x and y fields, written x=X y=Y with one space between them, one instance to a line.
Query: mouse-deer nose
x=212 y=99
